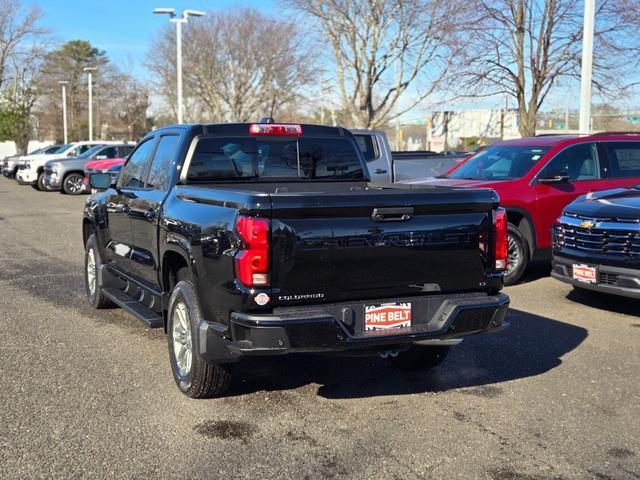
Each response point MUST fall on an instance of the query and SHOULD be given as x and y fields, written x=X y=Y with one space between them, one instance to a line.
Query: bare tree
x=523 y=47
x=237 y=65
x=387 y=52
x=16 y=29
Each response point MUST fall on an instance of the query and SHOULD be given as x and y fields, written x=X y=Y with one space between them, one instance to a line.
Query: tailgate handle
x=392 y=214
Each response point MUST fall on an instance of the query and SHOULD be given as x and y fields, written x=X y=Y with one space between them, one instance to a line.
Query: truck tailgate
x=380 y=242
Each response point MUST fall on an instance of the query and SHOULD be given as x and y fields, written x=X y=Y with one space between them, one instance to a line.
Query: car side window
x=580 y=162
x=160 y=172
x=82 y=148
x=110 y=152
x=123 y=152
x=132 y=174
x=624 y=159
x=367 y=145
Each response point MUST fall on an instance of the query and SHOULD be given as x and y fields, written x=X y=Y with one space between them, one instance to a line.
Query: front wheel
x=194 y=376
x=518 y=256
x=420 y=357
x=39 y=185
x=92 y=285
x=73 y=184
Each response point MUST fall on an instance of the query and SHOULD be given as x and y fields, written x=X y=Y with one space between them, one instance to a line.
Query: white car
x=31 y=171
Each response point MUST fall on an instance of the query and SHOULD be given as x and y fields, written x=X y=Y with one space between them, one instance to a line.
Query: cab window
x=580 y=162
x=160 y=171
x=133 y=172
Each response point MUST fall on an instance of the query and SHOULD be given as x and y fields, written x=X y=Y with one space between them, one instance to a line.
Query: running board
x=148 y=316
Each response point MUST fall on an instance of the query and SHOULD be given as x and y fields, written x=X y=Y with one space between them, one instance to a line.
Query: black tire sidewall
x=64 y=184
x=185 y=293
x=514 y=276
x=40 y=182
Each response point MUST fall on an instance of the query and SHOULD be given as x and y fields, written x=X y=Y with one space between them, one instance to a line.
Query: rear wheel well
x=80 y=172
x=524 y=225
x=172 y=265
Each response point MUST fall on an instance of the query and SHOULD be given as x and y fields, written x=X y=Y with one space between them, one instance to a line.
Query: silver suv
x=67 y=174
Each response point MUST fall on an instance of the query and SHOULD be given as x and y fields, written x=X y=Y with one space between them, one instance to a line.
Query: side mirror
x=559 y=177
x=100 y=181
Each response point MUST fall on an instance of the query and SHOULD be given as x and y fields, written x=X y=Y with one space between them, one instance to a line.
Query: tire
x=39 y=185
x=194 y=376
x=94 y=293
x=518 y=251
x=419 y=357
x=73 y=184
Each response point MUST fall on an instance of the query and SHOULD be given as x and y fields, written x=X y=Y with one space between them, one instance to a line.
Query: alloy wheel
x=182 y=341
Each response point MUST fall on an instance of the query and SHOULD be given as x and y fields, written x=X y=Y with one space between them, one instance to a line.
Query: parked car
x=264 y=239
x=10 y=165
x=385 y=166
x=597 y=239
x=537 y=177
x=31 y=172
x=67 y=174
x=111 y=166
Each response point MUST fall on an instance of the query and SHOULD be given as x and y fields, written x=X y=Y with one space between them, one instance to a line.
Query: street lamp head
x=63 y=82
x=166 y=11
x=192 y=13
x=89 y=69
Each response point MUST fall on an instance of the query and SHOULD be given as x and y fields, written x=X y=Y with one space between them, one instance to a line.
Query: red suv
x=536 y=177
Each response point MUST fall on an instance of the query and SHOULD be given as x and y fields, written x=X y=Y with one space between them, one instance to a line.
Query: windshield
x=500 y=163
x=244 y=158
x=92 y=151
x=51 y=149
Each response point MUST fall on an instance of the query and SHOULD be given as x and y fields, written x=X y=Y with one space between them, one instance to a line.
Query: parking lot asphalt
x=89 y=394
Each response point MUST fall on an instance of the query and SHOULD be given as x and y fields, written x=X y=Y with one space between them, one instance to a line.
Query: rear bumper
x=614 y=280
x=339 y=327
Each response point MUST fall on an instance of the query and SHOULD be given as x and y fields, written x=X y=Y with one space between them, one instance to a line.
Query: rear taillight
x=252 y=260
x=276 y=129
x=501 y=250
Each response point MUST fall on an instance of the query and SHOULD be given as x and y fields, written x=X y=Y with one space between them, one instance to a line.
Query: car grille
x=607 y=236
x=48 y=170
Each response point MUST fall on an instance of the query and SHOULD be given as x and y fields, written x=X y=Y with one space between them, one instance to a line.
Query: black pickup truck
x=262 y=239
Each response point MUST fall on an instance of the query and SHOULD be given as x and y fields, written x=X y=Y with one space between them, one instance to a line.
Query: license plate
x=585 y=273
x=387 y=316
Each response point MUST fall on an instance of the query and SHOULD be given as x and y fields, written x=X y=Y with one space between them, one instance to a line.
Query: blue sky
x=124 y=29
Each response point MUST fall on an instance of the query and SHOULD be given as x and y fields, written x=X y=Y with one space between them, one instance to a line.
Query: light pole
x=64 y=84
x=184 y=18
x=90 y=86
x=587 y=66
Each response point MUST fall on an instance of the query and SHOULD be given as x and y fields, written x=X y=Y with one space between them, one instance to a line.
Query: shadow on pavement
x=531 y=346
x=536 y=271
x=605 y=301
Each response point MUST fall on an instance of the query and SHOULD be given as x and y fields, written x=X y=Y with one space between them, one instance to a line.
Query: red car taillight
x=501 y=241
x=252 y=261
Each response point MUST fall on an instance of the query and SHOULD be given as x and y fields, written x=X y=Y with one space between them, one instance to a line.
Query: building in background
x=455 y=130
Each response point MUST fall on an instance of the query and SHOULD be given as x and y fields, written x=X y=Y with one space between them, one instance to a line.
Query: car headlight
x=55 y=166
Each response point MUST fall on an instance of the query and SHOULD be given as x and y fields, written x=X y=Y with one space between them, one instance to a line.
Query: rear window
x=624 y=158
x=262 y=158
